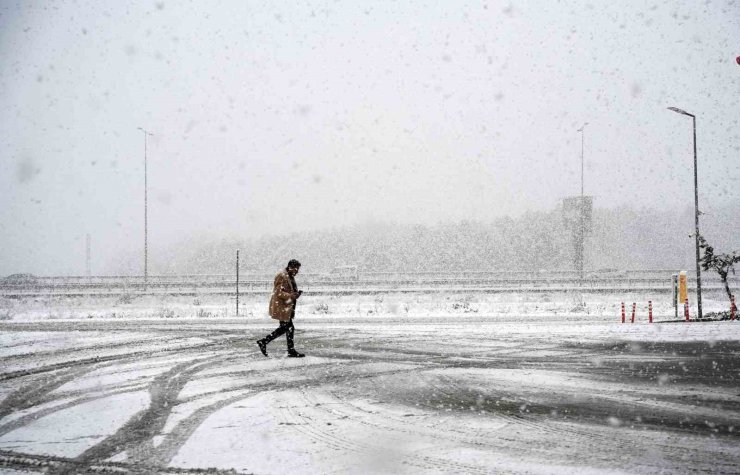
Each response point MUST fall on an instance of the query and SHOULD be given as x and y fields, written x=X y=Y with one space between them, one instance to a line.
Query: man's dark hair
x=293 y=264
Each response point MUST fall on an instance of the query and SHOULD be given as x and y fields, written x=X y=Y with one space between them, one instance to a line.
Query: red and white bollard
x=686 y=310
x=650 y=311
x=634 y=306
x=622 y=312
x=733 y=308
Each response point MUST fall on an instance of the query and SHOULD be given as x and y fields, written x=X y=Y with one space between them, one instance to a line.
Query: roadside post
x=683 y=292
x=674 y=281
x=650 y=311
x=622 y=312
x=634 y=307
x=237 y=282
x=686 y=310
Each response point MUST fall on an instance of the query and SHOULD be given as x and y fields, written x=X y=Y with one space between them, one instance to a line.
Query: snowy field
x=417 y=384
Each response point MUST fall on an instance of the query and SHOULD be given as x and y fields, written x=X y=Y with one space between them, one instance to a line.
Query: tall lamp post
x=146 y=224
x=581 y=207
x=696 y=212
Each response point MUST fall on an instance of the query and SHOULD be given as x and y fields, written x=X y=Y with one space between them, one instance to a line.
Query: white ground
x=392 y=384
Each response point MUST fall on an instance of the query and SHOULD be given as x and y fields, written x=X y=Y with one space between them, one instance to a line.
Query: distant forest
x=621 y=238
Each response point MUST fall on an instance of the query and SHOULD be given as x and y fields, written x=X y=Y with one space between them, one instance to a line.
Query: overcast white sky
x=274 y=117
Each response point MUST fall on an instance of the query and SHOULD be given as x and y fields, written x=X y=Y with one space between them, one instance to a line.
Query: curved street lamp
x=696 y=212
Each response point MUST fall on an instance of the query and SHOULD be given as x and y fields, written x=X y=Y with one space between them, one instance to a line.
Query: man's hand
x=296 y=294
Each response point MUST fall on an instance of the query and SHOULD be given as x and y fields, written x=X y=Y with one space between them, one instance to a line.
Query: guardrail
x=657 y=281
x=361 y=276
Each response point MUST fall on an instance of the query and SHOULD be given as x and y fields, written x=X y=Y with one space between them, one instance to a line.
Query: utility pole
x=146 y=224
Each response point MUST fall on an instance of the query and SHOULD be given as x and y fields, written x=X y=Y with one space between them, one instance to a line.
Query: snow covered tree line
x=622 y=238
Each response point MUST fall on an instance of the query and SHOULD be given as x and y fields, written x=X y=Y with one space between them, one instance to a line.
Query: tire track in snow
x=603 y=446
x=128 y=356
x=606 y=447
x=54 y=464
x=312 y=429
x=315 y=429
x=136 y=436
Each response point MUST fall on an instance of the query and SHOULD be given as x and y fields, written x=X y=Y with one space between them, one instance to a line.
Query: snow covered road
x=455 y=394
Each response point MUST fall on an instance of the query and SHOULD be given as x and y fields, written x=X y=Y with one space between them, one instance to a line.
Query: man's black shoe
x=295 y=354
x=263 y=347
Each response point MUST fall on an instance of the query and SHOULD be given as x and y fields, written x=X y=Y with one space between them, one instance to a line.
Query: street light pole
x=582 y=235
x=696 y=213
x=146 y=224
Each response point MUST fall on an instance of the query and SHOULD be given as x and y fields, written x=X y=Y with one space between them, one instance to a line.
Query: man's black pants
x=285 y=327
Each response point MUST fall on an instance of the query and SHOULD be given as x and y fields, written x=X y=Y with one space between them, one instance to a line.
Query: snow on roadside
x=576 y=305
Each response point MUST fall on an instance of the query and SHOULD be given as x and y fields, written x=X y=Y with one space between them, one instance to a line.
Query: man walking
x=285 y=293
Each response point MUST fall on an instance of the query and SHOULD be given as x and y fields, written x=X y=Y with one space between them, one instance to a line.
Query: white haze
x=291 y=118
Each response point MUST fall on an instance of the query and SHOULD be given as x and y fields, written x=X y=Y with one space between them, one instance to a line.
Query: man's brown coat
x=281 y=301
